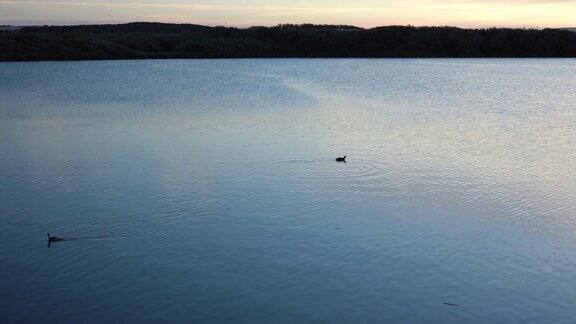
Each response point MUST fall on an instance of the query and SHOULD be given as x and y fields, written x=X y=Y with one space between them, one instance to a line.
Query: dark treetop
x=155 y=40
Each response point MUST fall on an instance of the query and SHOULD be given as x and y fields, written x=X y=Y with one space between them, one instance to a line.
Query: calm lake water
x=207 y=191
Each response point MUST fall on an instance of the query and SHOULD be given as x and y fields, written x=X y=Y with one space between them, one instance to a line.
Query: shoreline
x=139 y=41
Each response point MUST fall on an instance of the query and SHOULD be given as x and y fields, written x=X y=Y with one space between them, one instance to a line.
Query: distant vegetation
x=155 y=40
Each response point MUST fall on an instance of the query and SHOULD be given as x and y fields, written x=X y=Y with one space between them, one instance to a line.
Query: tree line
x=156 y=40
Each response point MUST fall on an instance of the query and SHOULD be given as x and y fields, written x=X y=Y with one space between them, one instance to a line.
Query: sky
x=364 y=13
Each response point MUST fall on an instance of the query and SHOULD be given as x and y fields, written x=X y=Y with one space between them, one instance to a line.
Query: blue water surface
x=206 y=191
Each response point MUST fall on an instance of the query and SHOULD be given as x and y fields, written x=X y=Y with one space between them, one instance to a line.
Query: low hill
x=157 y=40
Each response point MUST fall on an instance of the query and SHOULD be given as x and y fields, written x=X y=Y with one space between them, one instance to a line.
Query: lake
x=207 y=191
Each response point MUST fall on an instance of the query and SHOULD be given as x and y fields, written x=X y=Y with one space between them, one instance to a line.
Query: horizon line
x=31 y=23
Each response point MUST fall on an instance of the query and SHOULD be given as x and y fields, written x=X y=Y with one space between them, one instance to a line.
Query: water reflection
x=208 y=191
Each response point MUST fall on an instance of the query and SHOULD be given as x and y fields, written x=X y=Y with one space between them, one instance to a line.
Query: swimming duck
x=54 y=238
x=341 y=159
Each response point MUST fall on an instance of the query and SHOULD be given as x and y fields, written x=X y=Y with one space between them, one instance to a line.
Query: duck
x=54 y=238
x=341 y=159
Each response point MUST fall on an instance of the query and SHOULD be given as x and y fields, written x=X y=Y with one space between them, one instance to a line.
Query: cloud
x=366 y=13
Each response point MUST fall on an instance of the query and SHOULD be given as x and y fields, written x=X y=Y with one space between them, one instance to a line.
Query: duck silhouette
x=341 y=159
x=54 y=238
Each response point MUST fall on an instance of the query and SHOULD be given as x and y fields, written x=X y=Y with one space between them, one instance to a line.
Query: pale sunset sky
x=365 y=13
